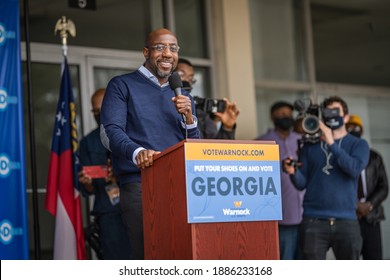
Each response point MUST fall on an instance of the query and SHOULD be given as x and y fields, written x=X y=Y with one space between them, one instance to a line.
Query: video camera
x=311 y=115
x=210 y=105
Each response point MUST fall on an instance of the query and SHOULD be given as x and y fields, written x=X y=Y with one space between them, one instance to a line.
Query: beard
x=158 y=72
x=163 y=74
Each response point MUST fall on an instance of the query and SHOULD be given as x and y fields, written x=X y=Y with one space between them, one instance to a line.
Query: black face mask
x=284 y=123
x=187 y=86
x=356 y=134
x=334 y=123
x=355 y=131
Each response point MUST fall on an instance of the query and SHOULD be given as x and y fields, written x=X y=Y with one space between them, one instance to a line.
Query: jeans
x=318 y=235
x=288 y=242
x=131 y=207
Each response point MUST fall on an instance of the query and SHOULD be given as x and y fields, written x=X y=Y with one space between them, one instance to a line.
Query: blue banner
x=13 y=211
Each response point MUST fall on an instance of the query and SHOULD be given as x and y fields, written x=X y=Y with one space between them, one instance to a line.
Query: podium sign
x=228 y=182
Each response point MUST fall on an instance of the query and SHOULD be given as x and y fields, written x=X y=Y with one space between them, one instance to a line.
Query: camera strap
x=328 y=155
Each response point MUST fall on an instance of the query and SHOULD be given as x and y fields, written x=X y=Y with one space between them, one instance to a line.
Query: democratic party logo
x=4 y=34
x=7 y=232
x=6 y=165
x=5 y=99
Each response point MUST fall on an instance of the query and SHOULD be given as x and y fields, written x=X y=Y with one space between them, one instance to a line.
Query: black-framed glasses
x=161 y=48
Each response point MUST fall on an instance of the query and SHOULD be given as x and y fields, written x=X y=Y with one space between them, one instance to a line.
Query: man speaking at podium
x=141 y=116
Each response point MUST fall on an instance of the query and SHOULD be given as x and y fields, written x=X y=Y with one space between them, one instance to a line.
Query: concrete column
x=233 y=55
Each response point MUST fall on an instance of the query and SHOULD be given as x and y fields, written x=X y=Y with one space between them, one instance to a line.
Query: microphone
x=175 y=83
x=302 y=105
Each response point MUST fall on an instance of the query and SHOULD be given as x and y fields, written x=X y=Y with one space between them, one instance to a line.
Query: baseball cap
x=355 y=119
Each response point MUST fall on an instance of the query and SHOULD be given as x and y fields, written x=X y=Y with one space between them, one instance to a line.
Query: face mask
x=356 y=134
x=335 y=122
x=355 y=131
x=186 y=86
x=284 y=123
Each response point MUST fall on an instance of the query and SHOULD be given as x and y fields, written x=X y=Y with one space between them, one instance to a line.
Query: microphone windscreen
x=175 y=81
x=301 y=105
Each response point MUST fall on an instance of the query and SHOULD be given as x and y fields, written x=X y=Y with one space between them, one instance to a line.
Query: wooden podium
x=167 y=235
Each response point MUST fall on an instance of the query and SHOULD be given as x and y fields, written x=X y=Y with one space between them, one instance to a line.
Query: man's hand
x=288 y=165
x=363 y=209
x=229 y=116
x=327 y=134
x=86 y=181
x=145 y=158
x=183 y=106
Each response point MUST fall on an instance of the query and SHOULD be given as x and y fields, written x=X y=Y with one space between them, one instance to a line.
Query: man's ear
x=146 y=53
x=346 y=118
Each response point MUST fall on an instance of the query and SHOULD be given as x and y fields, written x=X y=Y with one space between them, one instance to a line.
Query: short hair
x=330 y=100
x=280 y=104
x=185 y=61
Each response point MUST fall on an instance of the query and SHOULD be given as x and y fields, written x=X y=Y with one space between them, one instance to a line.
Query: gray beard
x=162 y=74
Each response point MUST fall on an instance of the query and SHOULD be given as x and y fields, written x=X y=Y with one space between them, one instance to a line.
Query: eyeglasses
x=182 y=76
x=353 y=127
x=161 y=48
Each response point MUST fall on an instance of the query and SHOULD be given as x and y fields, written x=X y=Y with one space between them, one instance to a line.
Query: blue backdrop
x=13 y=214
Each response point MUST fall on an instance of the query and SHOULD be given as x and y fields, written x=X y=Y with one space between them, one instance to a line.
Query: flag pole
x=65 y=26
x=63 y=196
x=37 y=239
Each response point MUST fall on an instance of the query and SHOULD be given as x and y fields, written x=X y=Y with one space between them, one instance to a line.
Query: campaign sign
x=232 y=182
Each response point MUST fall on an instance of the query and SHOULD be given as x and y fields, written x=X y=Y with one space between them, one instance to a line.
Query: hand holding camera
x=289 y=165
x=229 y=116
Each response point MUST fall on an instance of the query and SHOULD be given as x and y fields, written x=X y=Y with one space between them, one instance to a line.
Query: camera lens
x=310 y=124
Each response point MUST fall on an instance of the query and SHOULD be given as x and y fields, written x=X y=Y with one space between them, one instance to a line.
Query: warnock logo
x=237 y=204
x=237 y=212
x=7 y=232
x=4 y=34
x=6 y=165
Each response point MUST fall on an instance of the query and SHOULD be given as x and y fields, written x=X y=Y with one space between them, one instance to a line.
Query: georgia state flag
x=62 y=197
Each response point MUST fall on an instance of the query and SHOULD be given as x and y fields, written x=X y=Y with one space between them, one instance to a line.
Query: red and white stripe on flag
x=62 y=197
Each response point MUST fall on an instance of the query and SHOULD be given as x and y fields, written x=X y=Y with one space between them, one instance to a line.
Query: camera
x=210 y=105
x=311 y=115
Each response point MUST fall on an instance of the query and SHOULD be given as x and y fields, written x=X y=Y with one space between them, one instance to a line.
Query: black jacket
x=377 y=187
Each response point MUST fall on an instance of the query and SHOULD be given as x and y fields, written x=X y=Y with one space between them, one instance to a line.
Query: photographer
x=216 y=118
x=329 y=172
x=282 y=117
